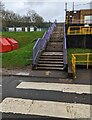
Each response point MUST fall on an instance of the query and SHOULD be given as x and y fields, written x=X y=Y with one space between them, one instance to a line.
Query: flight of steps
x=52 y=57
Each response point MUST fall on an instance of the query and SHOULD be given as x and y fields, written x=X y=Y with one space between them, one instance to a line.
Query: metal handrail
x=41 y=43
x=64 y=47
x=82 y=30
x=74 y=61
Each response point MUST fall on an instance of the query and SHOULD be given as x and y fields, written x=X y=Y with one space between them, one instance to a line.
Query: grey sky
x=48 y=9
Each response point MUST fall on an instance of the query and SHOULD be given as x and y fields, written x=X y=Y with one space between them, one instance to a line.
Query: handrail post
x=74 y=65
x=87 y=60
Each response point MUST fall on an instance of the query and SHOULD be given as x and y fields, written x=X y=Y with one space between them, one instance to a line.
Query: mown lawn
x=20 y=58
x=71 y=51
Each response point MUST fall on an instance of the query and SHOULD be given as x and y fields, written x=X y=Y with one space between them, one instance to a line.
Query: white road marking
x=0 y=85
x=70 y=88
x=22 y=73
x=45 y=108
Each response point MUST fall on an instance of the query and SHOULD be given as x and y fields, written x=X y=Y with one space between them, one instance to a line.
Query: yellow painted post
x=87 y=60
x=91 y=29
x=80 y=31
x=68 y=31
x=74 y=65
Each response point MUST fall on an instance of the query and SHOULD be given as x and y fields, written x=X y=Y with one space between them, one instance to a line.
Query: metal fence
x=76 y=58
x=79 y=30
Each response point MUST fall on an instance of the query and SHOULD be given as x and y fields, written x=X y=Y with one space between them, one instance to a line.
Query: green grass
x=71 y=51
x=19 y=58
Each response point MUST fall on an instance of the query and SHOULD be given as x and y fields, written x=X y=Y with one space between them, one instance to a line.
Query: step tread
x=52 y=53
x=49 y=68
x=51 y=59
x=49 y=62
x=51 y=65
x=55 y=42
x=58 y=56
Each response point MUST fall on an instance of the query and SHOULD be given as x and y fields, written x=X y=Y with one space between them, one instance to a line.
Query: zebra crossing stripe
x=69 y=88
x=45 y=108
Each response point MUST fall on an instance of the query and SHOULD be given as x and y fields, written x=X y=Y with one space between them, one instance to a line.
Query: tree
x=2 y=22
x=38 y=21
x=11 y=19
x=1 y=6
x=35 y=18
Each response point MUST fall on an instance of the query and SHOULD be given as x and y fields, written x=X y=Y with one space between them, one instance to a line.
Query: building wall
x=84 y=13
x=79 y=41
x=78 y=15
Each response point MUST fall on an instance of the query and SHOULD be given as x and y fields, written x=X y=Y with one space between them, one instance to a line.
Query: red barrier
x=14 y=44
x=8 y=44
x=5 y=46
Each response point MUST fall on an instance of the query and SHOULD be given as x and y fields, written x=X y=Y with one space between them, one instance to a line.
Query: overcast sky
x=48 y=9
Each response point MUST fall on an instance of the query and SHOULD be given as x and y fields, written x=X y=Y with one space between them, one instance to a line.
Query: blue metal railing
x=41 y=43
x=64 y=48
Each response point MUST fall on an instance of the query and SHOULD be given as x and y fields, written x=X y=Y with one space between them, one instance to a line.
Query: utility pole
x=65 y=7
x=65 y=13
x=73 y=6
x=90 y=4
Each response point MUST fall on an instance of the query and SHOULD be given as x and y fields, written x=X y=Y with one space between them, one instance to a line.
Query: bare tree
x=35 y=18
x=1 y=6
x=9 y=18
x=38 y=21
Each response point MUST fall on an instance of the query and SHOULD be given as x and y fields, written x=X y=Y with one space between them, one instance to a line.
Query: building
x=79 y=17
x=79 y=28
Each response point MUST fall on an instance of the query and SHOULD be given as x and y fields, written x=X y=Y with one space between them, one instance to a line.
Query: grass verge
x=23 y=56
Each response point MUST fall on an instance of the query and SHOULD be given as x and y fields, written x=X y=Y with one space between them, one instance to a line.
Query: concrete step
x=52 y=53
x=50 y=62
x=54 y=49
x=57 y=35
x=51 y=59
x=55 y=44
x=51 y=65
x=50 y=56
x=56 y=40
x=51 y=50
x=49 y=68
x=54 y=36
x=56 y=32
x=58 y=28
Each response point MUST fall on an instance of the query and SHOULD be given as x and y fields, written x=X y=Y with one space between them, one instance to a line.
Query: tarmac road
x=9 y=91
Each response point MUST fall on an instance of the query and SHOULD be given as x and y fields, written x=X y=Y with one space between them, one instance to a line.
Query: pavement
x=83 y=75
x=28 y=72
